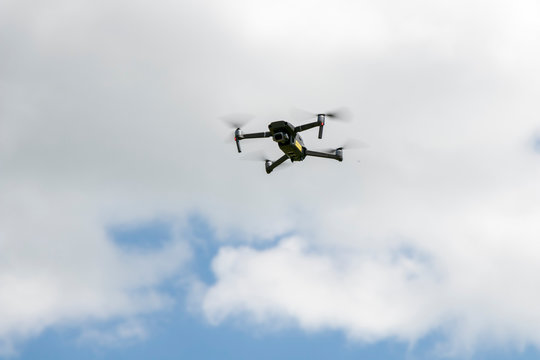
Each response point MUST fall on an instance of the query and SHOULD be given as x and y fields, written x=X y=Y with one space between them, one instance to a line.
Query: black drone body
x=289 y=141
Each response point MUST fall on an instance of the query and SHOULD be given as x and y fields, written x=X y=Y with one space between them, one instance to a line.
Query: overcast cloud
x=109 y=114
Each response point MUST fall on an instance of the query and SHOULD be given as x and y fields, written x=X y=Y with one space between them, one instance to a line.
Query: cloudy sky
x=130 y=228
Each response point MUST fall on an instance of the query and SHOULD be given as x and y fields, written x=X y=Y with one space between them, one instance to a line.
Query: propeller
x=261 y=156
x=255 y=156
x=349 y=144
x=236 y=121
x=341 y=114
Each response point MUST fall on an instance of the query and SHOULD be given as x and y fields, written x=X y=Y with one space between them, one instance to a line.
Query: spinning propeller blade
x=236 y=121
x=341 y=114
x=261 y=156
x=255 y=156
x=349 y=145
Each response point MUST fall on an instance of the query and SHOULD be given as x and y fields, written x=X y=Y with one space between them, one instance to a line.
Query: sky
x=131 y=228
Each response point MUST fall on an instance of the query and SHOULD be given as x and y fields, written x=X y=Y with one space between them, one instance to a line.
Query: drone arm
x=307 y=126
x=337 y=156
x=263 y=134
x=319 y=123
x=272 y=165
x=239 y=135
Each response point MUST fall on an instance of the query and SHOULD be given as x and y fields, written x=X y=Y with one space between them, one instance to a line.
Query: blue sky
x=131 y=228
x=181 y=333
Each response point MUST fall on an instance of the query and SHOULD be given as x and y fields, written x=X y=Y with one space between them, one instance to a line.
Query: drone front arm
x=263 y=134
x=238 y=135
x=307 y=126
x=319 y=123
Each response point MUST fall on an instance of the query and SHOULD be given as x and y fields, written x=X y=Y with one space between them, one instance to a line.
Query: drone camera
x=281 y=138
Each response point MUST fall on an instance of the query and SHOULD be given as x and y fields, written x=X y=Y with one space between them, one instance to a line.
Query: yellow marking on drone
x=298 y=145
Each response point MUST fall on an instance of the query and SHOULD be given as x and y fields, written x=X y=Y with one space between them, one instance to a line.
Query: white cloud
x=370 y=296
x=59 y=267
x=110 y=115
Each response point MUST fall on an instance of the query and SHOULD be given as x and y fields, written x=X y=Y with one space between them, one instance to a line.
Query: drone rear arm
x=337 y=156
x=272 y=165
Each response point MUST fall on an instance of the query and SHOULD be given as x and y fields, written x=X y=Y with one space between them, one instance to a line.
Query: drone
x=288 y=138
